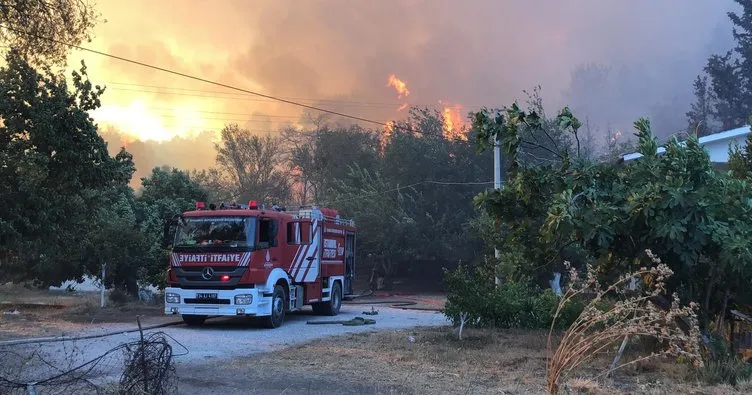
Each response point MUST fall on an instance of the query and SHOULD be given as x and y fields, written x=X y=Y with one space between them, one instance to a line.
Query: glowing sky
x=338 y=54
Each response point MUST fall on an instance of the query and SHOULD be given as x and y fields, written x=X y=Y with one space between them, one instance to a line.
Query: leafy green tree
x=164 y=193
x=38 y=29
x=116 y=241
x=699 y=116
x=387 y=232
x=319 y=158
x=727 y=97
x=54 y=171
x=675 y=204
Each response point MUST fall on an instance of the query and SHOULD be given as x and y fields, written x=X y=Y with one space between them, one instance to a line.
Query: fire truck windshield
x=202 y=232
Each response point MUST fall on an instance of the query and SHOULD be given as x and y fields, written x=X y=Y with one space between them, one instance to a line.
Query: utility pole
x=497 y=185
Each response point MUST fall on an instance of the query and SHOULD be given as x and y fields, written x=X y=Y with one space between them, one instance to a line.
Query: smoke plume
x=611 y=61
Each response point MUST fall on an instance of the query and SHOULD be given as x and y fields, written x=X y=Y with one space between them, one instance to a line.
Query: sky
x=611 y=61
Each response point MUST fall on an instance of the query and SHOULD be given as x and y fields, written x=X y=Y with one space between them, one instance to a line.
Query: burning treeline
x=453 y=123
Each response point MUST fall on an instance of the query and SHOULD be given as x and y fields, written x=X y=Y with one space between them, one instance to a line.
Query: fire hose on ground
x=358 y=321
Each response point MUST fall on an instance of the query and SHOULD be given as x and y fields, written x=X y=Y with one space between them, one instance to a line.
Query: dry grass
x=433 y=361
x=598 y=329
x=32 y=313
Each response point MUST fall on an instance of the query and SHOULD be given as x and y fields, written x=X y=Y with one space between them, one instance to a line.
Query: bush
x=118 y=296
x=519 y=304
x=721 y=365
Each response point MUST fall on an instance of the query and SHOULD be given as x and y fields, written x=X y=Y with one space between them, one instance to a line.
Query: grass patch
x=432 y=360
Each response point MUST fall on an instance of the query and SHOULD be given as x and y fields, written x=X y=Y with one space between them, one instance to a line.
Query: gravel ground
x=221 y=339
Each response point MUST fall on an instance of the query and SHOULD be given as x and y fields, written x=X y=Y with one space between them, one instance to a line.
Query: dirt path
x=219 y=341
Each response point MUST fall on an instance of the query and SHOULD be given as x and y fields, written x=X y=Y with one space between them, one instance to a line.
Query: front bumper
x=223 y=306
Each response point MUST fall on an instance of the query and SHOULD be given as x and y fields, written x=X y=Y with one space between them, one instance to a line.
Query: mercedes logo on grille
x=207 y=273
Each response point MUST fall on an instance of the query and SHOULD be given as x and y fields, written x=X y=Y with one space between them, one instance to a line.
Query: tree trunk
x=724 y=308
x=706 y=303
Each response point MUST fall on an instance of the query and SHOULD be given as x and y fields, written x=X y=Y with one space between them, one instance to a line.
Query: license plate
x=206 y=296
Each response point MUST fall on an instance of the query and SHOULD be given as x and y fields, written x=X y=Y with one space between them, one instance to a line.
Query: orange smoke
x=399 y=85
x=454 y=127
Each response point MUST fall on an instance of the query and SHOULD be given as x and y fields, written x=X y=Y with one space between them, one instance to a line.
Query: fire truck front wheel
x=275 y=319
x=194 y=320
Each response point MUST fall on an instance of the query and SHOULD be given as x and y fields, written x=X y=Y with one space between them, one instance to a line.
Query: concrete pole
x=497 y=185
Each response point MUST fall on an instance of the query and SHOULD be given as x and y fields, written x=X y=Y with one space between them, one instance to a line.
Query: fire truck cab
x=243 y=260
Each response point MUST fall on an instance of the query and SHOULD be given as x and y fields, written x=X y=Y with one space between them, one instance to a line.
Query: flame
x=453 y=125
x=402 y=107
x=616 y=136
x=384 y=138
x=144 y=124
x=399 y=85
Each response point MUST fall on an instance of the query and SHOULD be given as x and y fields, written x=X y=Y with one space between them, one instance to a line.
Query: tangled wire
x=144 y=366
x=149 y=368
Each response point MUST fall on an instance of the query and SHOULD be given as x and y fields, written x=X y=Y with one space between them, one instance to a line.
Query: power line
x=335 y=101
x=409 y=186
x=390 y=124
x=193 y=77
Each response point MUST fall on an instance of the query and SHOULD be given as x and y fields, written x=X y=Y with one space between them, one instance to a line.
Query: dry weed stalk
x=597 y=328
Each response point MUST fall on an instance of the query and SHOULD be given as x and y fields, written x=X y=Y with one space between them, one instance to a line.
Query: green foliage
x=721 y=364
x=41 y=30
x=54 y=173
x=606 y=214
x=515 y=304
x=410 y=201
x=723 y=94
x=165 y=193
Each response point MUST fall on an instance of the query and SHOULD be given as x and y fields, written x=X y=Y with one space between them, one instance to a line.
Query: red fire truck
x=249 y=260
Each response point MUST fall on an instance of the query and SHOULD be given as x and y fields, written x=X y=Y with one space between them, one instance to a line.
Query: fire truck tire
x=275 y=319
x=194 y=320
x=333 y=305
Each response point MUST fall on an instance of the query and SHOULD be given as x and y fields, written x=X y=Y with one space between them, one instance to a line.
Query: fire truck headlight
x=243 y=299
x=172 y=298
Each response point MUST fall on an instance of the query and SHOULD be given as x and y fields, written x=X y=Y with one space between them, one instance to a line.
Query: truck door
x=268 y=230
x=349 y=263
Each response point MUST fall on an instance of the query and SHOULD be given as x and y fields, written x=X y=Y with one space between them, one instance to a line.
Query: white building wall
x=717 y=145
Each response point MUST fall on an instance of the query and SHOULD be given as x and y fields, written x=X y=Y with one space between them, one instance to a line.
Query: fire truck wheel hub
x=278 y=306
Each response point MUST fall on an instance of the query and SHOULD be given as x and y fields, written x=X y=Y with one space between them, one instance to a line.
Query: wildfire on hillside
x=453 y=125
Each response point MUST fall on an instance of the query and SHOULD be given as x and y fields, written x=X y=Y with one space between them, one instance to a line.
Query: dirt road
x=221 y=341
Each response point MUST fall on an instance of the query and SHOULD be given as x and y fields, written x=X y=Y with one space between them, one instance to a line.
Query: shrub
x=600 y=327
x=721 y=365
x=518 y=304
x=118 y=296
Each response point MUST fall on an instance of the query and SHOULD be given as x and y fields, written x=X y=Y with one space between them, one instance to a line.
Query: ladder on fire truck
x=313 y=212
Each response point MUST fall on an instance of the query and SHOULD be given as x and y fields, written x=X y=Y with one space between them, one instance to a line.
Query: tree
x=387 y=232
x=700 y=112
x=40 y=29
x=54 y=172
x=607 y=214
x=729 y=100
x=165 y=193
x=319 y=158
x=252 y=167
